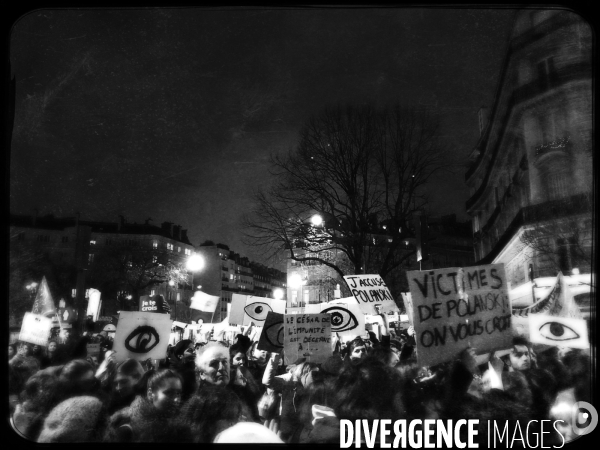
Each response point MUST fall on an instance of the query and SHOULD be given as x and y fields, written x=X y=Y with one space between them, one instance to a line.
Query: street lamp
x=316 y=220
x=194 y=263
x=278 y=294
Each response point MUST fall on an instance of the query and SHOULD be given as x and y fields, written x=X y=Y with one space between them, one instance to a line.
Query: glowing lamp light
x=295 y=281
x=195 y=262
x=316 y=220
x=278 y=294
x=171 y=283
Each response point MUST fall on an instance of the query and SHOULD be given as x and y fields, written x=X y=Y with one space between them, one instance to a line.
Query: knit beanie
x=247 y=433
x=74 y=420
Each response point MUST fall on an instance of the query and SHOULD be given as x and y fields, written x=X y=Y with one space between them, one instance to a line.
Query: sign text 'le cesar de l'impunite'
x=307 y=336
x=456 y=308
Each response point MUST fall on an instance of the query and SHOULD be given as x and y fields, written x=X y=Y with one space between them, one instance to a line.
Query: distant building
x=226 y=272
x=531 y=171
x=62 y=239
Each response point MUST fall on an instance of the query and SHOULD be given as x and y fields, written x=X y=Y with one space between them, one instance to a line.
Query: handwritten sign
x=455 y=308
x=254 y=309
x=371 y=291
x=307 y=336
x=35 y=329
x=142 y=335
x=271 y=338
x=558 y=331
x=347 y=319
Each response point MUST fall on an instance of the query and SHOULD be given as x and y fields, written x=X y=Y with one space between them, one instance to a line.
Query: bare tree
x=131 y=268
x=358 y=167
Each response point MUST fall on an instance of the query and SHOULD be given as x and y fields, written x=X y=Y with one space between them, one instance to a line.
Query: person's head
x=12 y=350
x=260 y=356
x=23 y=349
x=238 y=355
x=66 y=332
x=78 y=378
x=93 y=360
x=212 y=364
x=39 y=392
x=520 y=354
x=211 y=410
x=357 y=349
x=367 y=390
x=184 y=350
x=127 y=375
x=386 y=355
x=77 y=419
x=52 y=346
x=36 y=350
x=164 y=390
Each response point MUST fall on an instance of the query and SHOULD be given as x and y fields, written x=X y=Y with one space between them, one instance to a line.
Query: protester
x=356 y=350
x=211 y=410
x=248 y=432
x=212 y=364
x=182 y=361
x=152 y=417
x=77 y=419
x=120 y=387
x=12 y=350
x=242 y=382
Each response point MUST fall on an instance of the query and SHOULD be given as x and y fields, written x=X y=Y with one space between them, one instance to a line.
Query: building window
x=231 y=276
x=90 y=258
x=65 y=239
x=92 y=242
x=154 y=258
x=188 y=251
x=155 y=244
x=109 y=242
x=170 y=247
x=178 y=296
x=178 y=249
x=43 y=238
x=152 y=292
x=294 y=298
x=557 y=186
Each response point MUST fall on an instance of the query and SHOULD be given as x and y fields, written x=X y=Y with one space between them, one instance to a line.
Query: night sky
x=171 y=114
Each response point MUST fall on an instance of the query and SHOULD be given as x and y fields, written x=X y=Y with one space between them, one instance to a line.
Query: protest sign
x=254 y=309
x=558 y=331
x=558 y=302
x=142 y=335
x=307 y=336
x=43 y=303
x=93 y=349
x=455 y=308
x=347 y=319
x=370 y=291
x=94 y=303
x=271 y=338
x=154 y=303
x=35 y=329
x=203 y=306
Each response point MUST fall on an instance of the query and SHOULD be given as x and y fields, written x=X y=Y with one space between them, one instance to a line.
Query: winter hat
x=247 y=433
x=74 y=420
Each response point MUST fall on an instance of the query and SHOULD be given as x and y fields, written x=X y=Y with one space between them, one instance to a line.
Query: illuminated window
x=179 y=296
x=152 y=292
x=91 y=258
x=154 y=259
x=155 y=244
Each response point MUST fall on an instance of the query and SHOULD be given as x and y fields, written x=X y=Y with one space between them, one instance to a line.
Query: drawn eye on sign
x=258 y=310
x=558 y=332
x=341 y=319
x=142 y=339
x=274 y=334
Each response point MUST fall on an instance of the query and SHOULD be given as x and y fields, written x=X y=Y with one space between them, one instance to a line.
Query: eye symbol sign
x=258 y=310
x=341 y=319
x=141 y=340
x=274 y=334
x=558 y=332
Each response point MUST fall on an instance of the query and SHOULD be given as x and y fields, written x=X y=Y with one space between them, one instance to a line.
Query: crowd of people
x=216 y=392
